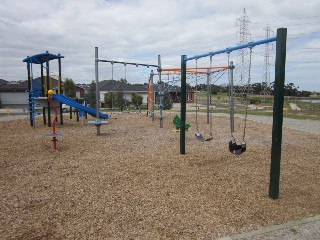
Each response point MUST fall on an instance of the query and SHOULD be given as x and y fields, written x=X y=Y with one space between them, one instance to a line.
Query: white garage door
x=14 y=98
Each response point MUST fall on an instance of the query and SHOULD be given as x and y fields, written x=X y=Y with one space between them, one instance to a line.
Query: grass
x=294 y=231
x=12 y=114
x=308 y=110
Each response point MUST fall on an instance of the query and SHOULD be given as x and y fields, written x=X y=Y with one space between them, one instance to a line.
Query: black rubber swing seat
x=209 y=139
x=200 y=137
x=235 y=148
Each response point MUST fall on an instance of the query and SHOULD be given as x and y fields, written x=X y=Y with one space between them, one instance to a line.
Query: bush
x=254 y=100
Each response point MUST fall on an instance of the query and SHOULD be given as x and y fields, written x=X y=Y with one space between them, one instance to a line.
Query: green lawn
x=308 y=110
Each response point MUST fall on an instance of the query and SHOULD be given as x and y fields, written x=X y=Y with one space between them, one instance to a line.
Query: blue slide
x=63 y=99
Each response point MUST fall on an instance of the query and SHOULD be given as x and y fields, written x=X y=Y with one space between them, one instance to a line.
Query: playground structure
x=177 y=123
x=278 y=102
x=207 y=71
x=237 y=149
x=38 y=92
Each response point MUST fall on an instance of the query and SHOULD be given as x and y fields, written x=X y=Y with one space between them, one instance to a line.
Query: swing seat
x=237 y=149
x=200 y=137
x=209 y=139
x=53 y=135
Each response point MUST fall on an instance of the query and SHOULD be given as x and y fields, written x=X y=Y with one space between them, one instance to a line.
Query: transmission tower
x=243 y=57
x=265 y=85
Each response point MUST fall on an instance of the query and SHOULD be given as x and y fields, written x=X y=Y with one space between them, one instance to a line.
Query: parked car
x=66 y=108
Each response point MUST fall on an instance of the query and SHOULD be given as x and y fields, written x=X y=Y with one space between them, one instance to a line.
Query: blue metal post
x=97 y=90
x=30 y=94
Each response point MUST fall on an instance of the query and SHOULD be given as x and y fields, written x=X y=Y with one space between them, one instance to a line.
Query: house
x=15 y=94
x=128 y=89
x=114 y=86
x=3 y=82
x=80 y=92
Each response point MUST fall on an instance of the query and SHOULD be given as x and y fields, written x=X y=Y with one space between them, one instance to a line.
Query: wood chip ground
x=132 y=183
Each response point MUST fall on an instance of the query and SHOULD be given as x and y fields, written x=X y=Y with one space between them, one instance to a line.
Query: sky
x=140 y=30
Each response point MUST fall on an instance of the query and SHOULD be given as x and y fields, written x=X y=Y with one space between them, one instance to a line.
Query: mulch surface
x=132 y=183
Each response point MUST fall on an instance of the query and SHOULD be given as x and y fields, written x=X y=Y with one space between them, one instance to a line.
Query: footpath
x=12 y=114
x=304 y=229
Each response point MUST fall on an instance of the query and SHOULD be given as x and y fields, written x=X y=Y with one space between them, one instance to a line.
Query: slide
x=63 y=99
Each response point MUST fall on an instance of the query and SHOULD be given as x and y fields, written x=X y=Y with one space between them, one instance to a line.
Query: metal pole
x=30 y=94
x=43 y=94
x=183 y=104
x=208 y=95
x=48 y=88
x=161 y=94
x=129 y=63
x=231 y=98
x=278 y=113
x=251 y=44
x=153 y=97
x=60 y=89
x=97 y=90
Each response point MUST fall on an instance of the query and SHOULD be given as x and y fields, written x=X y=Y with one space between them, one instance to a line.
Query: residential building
x=15 y=94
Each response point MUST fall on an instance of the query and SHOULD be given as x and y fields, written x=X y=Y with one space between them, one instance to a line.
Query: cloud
x=137 y=31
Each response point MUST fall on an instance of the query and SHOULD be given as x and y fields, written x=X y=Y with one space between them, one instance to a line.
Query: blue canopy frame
x=42 y=58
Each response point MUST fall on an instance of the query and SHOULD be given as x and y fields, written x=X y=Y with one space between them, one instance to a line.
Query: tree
x=215 y=89
x=256 y=88
x=290 y=90
x=91 y=95
x=167 y=101
x=304 y=93
x=69 y=88
x=119 y=100
x=108 y=100
x=136 y=99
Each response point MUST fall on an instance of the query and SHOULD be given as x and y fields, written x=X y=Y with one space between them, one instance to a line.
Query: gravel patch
x=132 y=183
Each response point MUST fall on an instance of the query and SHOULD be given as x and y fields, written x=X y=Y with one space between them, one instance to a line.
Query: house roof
x=42 y=58
x=113 y=85
x=3 y=82
x=14 y=86
x=23 y=85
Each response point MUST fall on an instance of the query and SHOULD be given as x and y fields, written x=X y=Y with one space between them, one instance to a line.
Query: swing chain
x=210 y=100
x=196 y=96
x=112 y=69
x=247 y=97
x=229 y=79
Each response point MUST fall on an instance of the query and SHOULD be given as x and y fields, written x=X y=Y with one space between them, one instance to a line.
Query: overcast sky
x=139 y=31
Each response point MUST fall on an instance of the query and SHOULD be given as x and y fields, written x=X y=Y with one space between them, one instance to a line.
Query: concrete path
x=304 y=229
x=309 y=126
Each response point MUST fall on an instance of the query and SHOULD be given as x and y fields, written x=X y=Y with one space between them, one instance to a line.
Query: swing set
x=195 y=71
x=98 y=122
x=280 y=40
x=209 y=73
